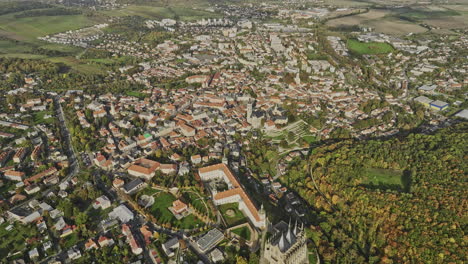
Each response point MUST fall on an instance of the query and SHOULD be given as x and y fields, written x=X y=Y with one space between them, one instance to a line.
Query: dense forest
x=401 y=200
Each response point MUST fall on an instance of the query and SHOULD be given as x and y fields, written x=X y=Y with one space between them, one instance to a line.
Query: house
x=210 y=240
x=23 y=215
x=463 y=114
x=32 y=189
x=171 y=246
x=423 y=100
x=102 y=202
x=90 y=244
x=34 y=253
x=19 y=155
x=105 y=241
x=429 y=89
x=175 y=157
x=67 y=230
x=168 y=168
x=179 y=209
x=74 y=253
x=196 y=159
x=187 y=131
x=117 y=183
x=270 y=125
x=217 y=256
x=439 y=105
x=147 y=234
x=184 y=168
x=121 y=213
x=134 y=186
x=155 y=259
x=136 y=249
x=13 y=175
x=144 y=168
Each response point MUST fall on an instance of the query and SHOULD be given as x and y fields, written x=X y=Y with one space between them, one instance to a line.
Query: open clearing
x=383 y=176
x=368 y=47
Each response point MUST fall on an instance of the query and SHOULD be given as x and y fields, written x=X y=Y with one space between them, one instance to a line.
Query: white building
x=234 y=194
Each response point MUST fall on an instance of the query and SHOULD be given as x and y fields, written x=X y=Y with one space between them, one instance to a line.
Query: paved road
x=74 y=165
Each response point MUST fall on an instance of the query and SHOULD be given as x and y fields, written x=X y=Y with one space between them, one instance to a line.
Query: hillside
x=392 y=201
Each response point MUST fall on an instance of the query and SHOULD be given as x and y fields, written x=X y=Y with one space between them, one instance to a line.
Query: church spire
x=296 y=231
x=283 y=244
x=289 y=234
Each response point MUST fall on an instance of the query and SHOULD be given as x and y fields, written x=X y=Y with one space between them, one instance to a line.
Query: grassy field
x=20 y=38
x=79 y=65
x=160 y=211
x=39 y=117
x=197 y=203
x=310 y=139
x=243 y=232
x=237 y=218
x=29 y=28
x=159 y=208
x=368 y=47
x=383 y=177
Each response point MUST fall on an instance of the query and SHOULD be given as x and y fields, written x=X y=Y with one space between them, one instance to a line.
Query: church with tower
x=287 y=245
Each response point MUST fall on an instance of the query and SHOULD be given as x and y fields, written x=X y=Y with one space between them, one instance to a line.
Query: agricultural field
x=407 y=20
x=381 y=21
x=29 y=28
x=363 y=48
x=159 y=12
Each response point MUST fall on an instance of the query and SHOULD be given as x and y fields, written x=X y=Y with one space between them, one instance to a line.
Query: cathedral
x=288 y=245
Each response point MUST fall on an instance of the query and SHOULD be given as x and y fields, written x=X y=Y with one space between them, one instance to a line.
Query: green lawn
x=39 y=117
x=369 y=47
x=196 y=202
x=238 y=217
x=161 y=212
x=243 y=232
x=310 y=139
x=70 y=240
